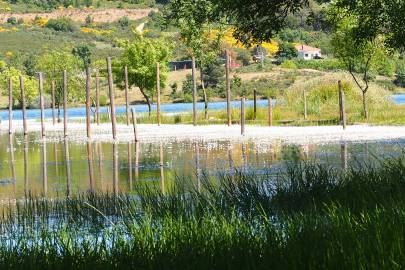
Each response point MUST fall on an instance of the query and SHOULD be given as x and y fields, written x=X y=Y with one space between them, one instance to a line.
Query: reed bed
x=307 y=217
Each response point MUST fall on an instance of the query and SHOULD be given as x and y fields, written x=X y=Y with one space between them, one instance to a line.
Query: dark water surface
x=58 y=168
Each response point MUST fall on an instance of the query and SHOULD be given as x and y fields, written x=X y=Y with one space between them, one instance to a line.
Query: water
x=165 y=108
x=29 y=167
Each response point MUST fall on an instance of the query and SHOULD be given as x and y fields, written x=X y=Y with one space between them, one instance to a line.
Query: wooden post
x=126 y=94
x=270 y=107
x=53 y=102
x=342 y=105
x=134 y=123
x=112 y=102
x=97 y=97
x=65 y=114
x=242 y=116
x=194 y=79
x=10 y=106
x=228 y=89
x=305 y=105
x=254 y=104
x=158 y=93
x=88 y=81
x=23 y=105
x=41 y=102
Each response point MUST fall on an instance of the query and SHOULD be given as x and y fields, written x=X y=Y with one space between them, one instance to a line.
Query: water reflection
x=65 y=168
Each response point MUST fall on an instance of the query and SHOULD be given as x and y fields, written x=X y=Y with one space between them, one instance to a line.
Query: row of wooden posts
x=112 y=114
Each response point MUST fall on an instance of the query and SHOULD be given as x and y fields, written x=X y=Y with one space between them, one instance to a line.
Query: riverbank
x=259 y=134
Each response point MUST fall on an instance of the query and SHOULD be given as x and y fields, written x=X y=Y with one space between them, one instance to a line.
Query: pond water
x=57 y=168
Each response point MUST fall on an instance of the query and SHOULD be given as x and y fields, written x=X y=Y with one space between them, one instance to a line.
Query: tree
x=257 y=20
x=53 y=64
x=286 y=51
x=83 y=52
x=141 y=57
x=359 y=56
x=194 y=19
x=30 y=85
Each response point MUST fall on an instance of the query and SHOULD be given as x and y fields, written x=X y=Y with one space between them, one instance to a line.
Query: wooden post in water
x=228 y=88
x=270 y=112
x=242 y=116
x=194 y=79
x=342 y=105
x=10 y=106
x=112 y=99
x=304 y=93
x=24 y=105
x=65 y=97
x=97 y=97
x=41 y=102
x=135 y=124
x=254 y=104
x=137 y=152
x=88 y=81
x=53 y=101
x=126 y=94
x=158 y=93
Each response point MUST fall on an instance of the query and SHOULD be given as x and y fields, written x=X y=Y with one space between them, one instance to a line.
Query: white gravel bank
x=154 y=133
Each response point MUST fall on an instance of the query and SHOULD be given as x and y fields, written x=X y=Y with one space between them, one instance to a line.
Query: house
x=307 y=53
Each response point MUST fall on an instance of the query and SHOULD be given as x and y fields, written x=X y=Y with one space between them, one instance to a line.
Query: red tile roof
x=305 y=48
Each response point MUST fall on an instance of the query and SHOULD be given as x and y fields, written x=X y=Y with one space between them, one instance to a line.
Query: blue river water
x=165 y=108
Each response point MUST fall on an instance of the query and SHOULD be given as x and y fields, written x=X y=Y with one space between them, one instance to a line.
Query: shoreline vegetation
x=352 y=218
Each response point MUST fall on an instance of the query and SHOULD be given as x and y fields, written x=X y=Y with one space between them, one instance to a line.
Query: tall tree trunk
x=365 y=110
x=147 y=101
x=59 y=113
x=205 y=95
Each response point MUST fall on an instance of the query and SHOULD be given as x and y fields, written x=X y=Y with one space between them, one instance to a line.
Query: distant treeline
x=52 y=4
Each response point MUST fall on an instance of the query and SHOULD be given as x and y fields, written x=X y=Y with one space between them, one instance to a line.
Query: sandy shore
x=154 y=133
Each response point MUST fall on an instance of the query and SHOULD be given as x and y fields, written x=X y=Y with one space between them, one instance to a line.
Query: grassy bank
x=351 y=220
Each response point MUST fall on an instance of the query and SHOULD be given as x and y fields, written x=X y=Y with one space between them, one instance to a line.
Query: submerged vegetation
x=352 y=219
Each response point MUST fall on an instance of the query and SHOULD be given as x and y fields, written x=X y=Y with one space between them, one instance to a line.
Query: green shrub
x=103 y=100
x=330 y=64
x=12 y=20
x=62 y=24
x=289 y=64
x=400 y=76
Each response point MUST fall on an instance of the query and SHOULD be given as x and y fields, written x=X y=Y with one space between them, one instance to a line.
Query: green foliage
x=286 y=51
x=288 y=64
x=328 y=64
x=244 y=57
x=124 y=22
x=83 y=52
x=400 y=75
x=12 y=20
x=53 y=64
x=141 y=57
x=30 y=86
x=62 y=24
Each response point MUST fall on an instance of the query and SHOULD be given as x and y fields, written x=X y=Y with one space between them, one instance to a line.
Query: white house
x=307 y=53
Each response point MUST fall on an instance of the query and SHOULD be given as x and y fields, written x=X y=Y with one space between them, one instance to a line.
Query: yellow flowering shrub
x=98 y=32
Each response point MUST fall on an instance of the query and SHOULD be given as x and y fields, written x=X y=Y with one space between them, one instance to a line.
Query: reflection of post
x=343 y=155
x=137 y=151
x=231 y=165
x=100 y=168
x=129 y=165
x=55 y=154
x=197 y=166
x=12 y=165
x=115 y=168
x=90 y=165
x=244 y=158
x=161 y=165
x=68 y=175
x=26 y=166
x=44 y=169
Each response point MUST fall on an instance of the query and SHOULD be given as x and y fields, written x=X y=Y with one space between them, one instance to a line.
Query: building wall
x=308 y=55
